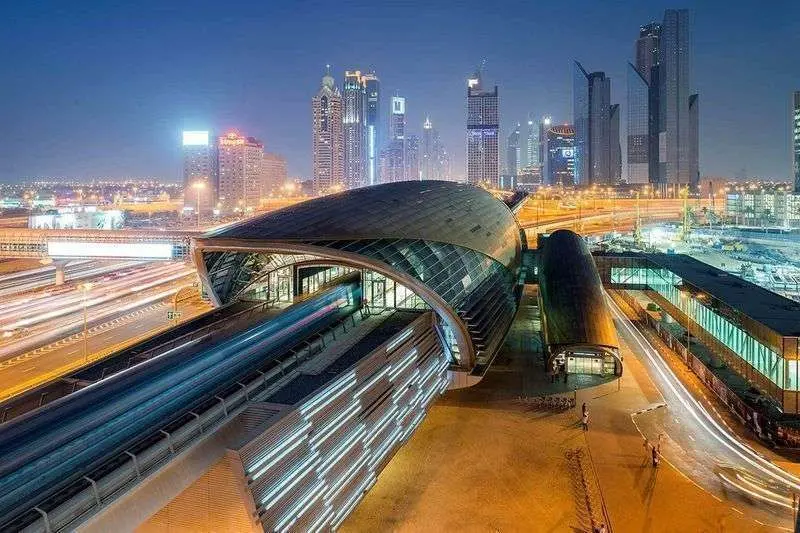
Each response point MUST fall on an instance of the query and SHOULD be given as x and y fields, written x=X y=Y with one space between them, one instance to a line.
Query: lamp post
x=198 y=186
x=85 y=287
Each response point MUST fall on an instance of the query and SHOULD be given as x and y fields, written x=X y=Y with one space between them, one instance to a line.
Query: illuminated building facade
x=545 y=124
x=435 y=161
x=240 y=172
x=354 y=102
x=327 y=138
x=373 y=126
x=513 y=157
x=199 y=170
x=561 y=156
x=483 y=125
x=412 y=157
x=393 y=156
x=796 y=140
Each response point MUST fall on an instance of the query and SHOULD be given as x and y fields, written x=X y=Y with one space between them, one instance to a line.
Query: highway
x=42 y=335
x=30 y=321
x=701 y=447
x=43 y=277
x=45 y=450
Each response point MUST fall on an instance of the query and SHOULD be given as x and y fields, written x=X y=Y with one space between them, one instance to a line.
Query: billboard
x=195 y=138
x=117 y=250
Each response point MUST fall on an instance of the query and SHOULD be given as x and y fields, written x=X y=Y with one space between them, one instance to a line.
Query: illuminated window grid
x=310 y=470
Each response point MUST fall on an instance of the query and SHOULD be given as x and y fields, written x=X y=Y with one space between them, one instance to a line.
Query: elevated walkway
x=145 y=245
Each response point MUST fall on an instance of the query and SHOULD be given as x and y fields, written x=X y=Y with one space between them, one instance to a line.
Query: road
x=44 y=330
x=41 y=454
x=34 y=368
x=43 y=277
x=702 y=448
x=30 y=321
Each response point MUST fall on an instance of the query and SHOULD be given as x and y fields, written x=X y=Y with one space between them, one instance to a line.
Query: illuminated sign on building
x=138 y=250
x=398 y=105
x=232 y=139
x=195 y=138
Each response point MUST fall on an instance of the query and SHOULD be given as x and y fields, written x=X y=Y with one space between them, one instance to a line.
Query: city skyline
x=143 y=107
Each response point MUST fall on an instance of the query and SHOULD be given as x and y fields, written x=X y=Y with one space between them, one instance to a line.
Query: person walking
x=655 y=457
x=583 y=409
x=585 y=420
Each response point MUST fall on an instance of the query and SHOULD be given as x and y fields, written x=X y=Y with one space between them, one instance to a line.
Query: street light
x=198 y=186
x=85 y=287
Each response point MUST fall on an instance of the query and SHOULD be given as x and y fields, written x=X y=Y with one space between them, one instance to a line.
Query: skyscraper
x=373 y=123
x=796 y=140
x=483 y=125
x=354 y=103
x=529 y=144
x=412 y=158
x=328 y=138
x=434 y=162
x=393 y=156
x=561 y=155
x=638 y=126
x=240 y=171
x=663 y=136
x=615 y=150
x=595 y=149
x=675 y=126
x=647 y=49
x=511 y=164
x=544 y=126
x=199 y=167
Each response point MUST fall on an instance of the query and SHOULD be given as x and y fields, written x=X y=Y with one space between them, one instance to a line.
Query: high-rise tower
x=483 y=125
x=647 y=49
x=373 y=126
x=595 y=150
x=354 y=108
x=328 y=138
x=513 y=156
x=240 y=171
x=639 y=126
x=393 y=156
x=796 y=140
x=199 y=171
x=434 y=163
x=675 y=124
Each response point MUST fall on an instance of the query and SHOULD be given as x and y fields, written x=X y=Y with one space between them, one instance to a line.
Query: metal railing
x=102 y=490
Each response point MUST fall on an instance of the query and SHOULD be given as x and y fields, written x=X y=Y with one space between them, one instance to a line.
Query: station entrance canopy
x=454 y=246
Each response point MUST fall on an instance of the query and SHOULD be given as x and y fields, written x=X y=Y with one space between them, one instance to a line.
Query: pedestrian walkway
x=483 y=461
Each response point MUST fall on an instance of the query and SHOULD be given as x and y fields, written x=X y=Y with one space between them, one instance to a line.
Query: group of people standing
x=558 y=368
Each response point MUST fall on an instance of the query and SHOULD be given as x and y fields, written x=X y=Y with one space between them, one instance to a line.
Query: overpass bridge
x=65 y=244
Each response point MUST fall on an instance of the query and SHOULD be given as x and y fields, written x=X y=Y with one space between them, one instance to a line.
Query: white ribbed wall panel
x=310 y=470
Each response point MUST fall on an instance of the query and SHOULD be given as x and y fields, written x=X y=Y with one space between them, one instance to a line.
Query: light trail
x=698 y=412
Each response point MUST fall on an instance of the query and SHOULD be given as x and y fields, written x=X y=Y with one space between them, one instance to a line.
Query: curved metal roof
x=434 y=211
x=574 y=304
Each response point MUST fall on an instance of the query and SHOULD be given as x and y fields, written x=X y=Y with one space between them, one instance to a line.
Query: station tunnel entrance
x=577 y=329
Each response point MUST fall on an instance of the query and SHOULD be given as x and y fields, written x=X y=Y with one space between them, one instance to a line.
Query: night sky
x=103 y=89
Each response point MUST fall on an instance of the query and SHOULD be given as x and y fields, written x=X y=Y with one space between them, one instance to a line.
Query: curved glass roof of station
x=456 y=246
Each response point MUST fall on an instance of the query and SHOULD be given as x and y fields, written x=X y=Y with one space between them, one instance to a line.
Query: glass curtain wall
x=767 y=362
